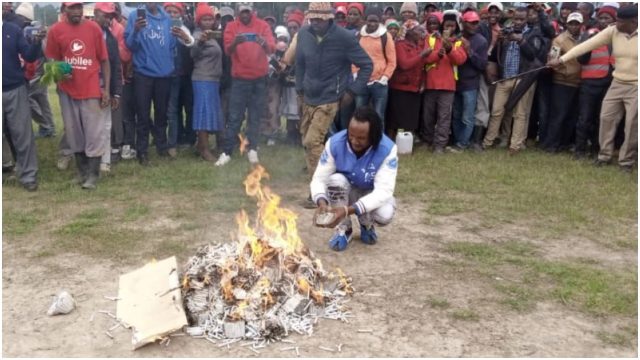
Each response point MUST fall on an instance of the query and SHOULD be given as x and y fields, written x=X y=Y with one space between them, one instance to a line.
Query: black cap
x=373 y=10
x=628 y=12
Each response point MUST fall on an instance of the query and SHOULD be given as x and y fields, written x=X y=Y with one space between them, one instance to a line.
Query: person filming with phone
x=518 y=49
x=248 y=40
x=152 y=38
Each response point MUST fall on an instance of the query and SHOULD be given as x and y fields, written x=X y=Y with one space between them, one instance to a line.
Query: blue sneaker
x=368 y=235
x=341 y=238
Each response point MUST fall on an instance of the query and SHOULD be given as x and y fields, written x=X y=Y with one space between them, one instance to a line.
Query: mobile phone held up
x=251 y=36
x=141 y=13
x=176 y=23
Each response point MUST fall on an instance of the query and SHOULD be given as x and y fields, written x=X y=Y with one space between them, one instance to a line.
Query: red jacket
x=409 y=74
x=249 y=60
x=441 y=72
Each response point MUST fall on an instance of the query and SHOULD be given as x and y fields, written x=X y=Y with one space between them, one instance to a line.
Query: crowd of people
x=561 y=78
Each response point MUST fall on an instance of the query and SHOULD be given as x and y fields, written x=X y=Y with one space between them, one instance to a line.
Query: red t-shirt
x=84 y=47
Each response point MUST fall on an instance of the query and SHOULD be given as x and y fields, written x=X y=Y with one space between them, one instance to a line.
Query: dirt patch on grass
x=409 y=293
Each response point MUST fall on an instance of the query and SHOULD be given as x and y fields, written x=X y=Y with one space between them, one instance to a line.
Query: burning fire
x=267 y=275
x=243 y=144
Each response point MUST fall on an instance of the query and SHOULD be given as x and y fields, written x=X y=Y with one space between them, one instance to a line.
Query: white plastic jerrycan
x=404 y=141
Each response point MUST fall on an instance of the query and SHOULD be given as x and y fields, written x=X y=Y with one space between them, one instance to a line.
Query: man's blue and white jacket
x=376 y=171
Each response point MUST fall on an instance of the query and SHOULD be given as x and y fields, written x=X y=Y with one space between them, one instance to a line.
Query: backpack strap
x=384 y=39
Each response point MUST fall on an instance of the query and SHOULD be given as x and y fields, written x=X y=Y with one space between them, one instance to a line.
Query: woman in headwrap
x=355 y=17
x=407 y=83
x=207 y=70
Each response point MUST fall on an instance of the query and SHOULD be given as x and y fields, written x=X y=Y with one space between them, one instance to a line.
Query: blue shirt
x=512 y=58
x=153 y=47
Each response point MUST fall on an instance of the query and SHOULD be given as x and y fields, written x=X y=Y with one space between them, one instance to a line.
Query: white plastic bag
x=62 y=304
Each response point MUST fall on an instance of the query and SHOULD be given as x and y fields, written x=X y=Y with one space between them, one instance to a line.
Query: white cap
x=25 y=9
x=496 y=4
x=282 y=31
x=576 y=16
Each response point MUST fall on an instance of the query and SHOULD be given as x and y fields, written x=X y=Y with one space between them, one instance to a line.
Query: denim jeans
x=464 y=116
x=245 y=94
x=377 y=94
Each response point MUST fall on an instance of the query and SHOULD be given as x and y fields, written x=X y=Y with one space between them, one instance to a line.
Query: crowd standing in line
x=563 y=79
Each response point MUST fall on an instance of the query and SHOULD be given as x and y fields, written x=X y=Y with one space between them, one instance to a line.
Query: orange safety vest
x=598 y=66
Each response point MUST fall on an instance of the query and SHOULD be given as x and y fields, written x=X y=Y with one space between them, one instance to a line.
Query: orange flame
x=276 y=225
x=267 y=299
x=344 y=281
x=305 y=288
x=243 y=144
x=238 y=312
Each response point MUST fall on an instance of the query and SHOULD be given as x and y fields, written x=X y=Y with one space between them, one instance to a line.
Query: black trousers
x=560 y=130
x=589 y=107
x=540 y=109
x=128 y=106
x=147 y=90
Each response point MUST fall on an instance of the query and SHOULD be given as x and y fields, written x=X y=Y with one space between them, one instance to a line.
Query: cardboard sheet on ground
x=151 y=301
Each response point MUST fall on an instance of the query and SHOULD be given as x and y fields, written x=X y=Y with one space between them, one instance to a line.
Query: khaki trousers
x=520 y=114
x=621 y=98
x=314 y=126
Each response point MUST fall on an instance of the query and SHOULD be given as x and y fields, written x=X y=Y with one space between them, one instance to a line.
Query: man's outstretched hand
x=554 y=63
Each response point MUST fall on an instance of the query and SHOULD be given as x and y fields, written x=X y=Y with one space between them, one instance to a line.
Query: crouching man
x=356 y=175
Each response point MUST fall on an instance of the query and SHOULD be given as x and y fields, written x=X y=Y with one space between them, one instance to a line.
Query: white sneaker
x=253 y=157
x=271 y=142
x=105 y=168
x=128 y=153
x=223 y=160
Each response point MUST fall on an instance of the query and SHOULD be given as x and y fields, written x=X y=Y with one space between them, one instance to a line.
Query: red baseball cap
x=105 y=7
x=470 y=16
x=177 y=5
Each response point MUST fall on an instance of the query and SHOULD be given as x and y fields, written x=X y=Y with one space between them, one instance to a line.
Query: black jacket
x=323 y=69
x=533 y=51
x=114 y=64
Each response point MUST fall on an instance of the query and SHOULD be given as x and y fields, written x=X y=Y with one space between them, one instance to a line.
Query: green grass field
x=550 y=198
